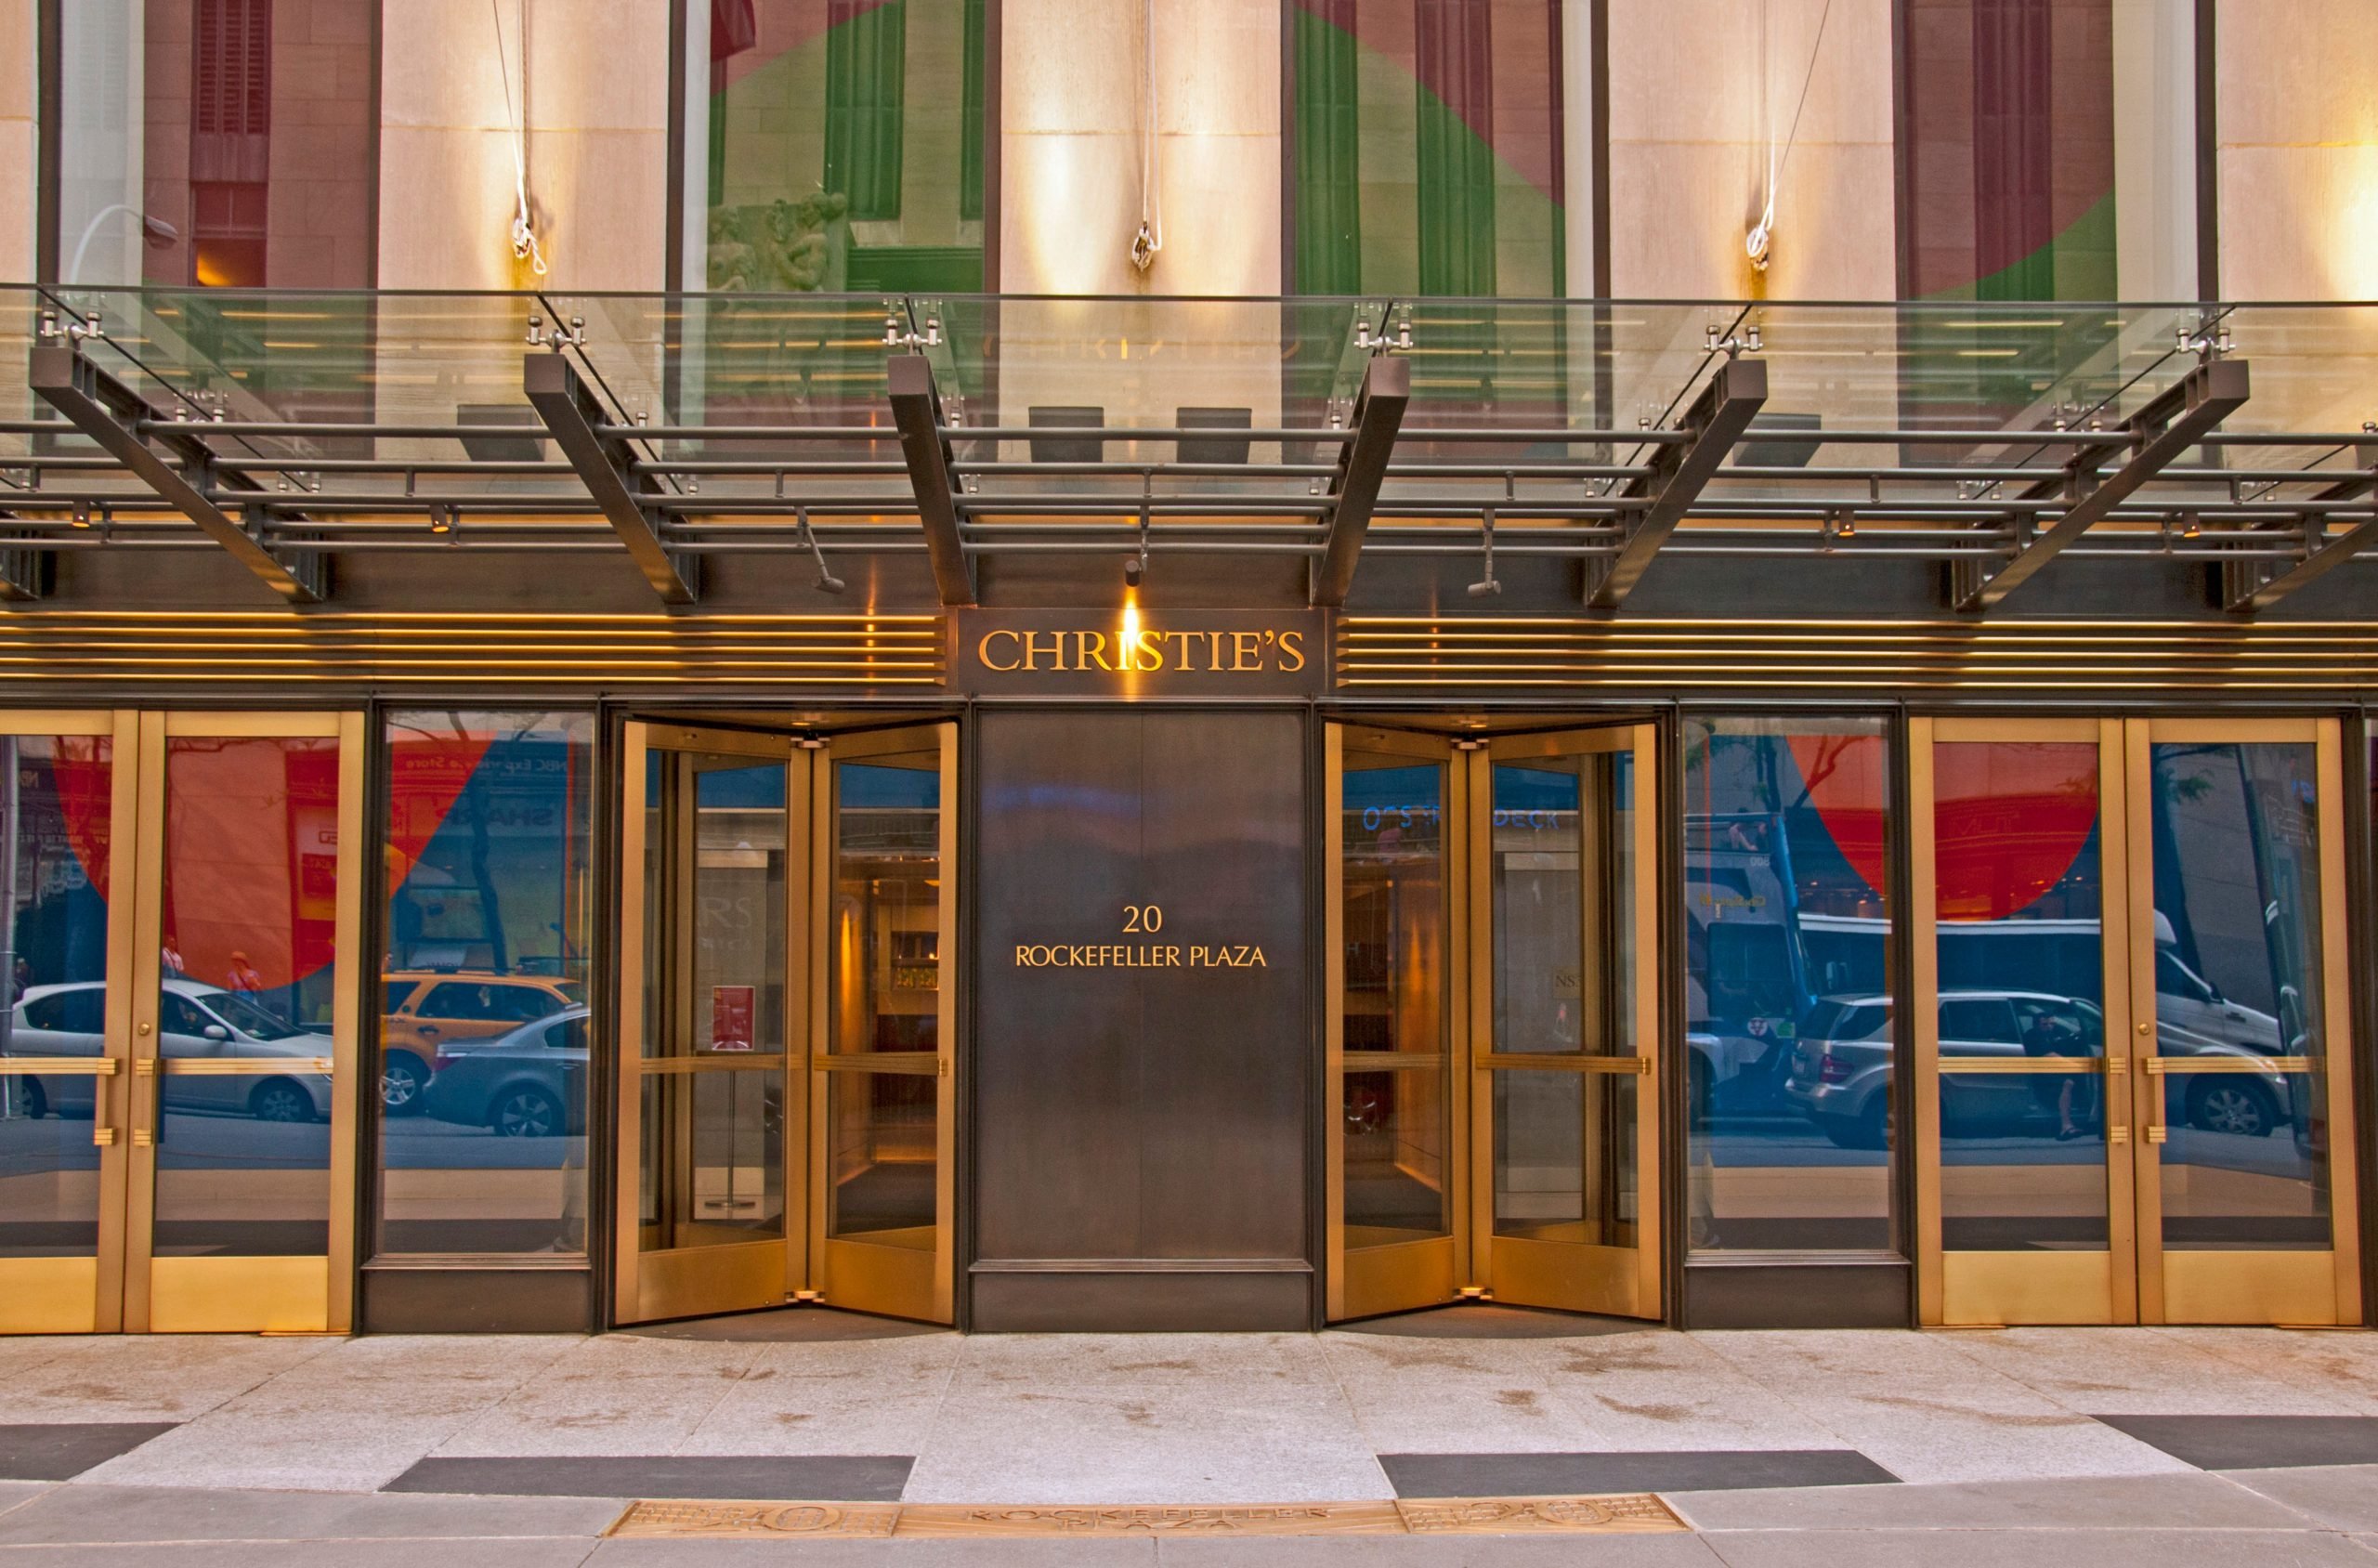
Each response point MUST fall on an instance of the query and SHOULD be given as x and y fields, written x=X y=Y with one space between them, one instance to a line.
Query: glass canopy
x=341 y=422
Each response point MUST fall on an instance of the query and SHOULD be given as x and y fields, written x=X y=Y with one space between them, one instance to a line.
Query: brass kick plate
x=1630 y=1514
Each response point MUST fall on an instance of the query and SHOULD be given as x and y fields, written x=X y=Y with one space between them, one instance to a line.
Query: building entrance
x=183 y=892
x=1492 y=1030
x=2132 y=1093
x=786 y=1021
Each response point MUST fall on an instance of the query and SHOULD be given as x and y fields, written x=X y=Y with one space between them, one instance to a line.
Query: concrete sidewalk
x=2099 y=1445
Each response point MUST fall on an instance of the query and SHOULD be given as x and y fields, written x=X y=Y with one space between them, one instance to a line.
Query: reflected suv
x=1841 y=1074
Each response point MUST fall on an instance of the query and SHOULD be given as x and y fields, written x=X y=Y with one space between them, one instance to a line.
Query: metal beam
x=606 y=464
x=108 y=411
x=2173 y=421
x=27 y=571
x=1716 y=421
x=1361 y=467
x=2248 y=587
x=932 y=472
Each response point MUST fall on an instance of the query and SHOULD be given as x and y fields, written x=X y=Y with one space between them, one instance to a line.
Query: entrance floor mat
x=1405 y=1516
x=1506 y=1475
x=2256 y=1442
x=62 y=1450
x=840 y=1478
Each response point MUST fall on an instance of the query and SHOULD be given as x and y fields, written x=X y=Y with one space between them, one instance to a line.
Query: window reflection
x=1791 y=1043
x=1395 y=1112
x=248 y=980
x=2022 y=981
x=483 y=1042
x=2238 y=996
x=54 y=839
x=886 y=962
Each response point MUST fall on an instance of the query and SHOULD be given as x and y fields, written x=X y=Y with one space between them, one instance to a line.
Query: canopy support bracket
x=607 y=466
x=2248 y=587
x=2173 y=421
x=1716 y=421
x=1362 y=468
x=932 y=472
x=107 y=411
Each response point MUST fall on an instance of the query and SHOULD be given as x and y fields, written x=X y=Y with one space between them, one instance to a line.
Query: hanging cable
x=524 y=233
x=1756 y=242
x=1150 y=239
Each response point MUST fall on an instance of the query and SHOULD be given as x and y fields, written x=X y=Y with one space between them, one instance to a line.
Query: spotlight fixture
x=827 y=582
x=441 y=520
x=2191 y=525
x=1135 y=567
x=82 y=514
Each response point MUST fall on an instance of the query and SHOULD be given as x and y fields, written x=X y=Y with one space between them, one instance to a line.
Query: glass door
x=708 y=971
x=2129 y=967
x=885 y=903
x=2023 y=1123
x=1565 y=1020
x=1393 y=1103
x=67 y=804
x=2245 y=1176
x=180 y=1046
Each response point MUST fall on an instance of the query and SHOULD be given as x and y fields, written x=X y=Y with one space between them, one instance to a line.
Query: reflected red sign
x=731 y=1009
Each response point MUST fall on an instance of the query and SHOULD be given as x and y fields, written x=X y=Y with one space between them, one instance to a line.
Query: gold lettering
x=1149 y=655
x=1032 y=650
x=1246 y=650
x=1181 y=662
x=1093 y=650
x=1023 y=957
x=1214 y=649
x=1259 y=959
x=983 y=651
x=1292 y=647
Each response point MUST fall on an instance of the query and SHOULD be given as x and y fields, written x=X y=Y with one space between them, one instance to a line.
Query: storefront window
x=1428 y=147
x=483 y=1047
x=1791 y=1043
x=838 y=146
x=224 y=143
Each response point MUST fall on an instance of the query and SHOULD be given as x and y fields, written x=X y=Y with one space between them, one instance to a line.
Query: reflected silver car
x=201 y=1022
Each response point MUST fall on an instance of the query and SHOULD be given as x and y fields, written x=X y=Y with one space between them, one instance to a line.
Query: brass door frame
x=85 y=1295
x=865 y=1276
x=1997 y=1287
x=1397 y=1276
x=2128 y=1282
x=2207 y=1286
x=241 y=1294
x=681 y=1281
x=1624 y=1282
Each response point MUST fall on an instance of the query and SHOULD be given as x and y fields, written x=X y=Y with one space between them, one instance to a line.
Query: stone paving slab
x=1997 y=1548
x=86 y=1515
x=2136 y=1502
x=2342 y=1497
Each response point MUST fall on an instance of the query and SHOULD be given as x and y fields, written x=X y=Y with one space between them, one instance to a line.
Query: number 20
x=1142 y=916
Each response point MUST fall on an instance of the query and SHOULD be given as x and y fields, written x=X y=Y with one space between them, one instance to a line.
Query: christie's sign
x=1134 y=654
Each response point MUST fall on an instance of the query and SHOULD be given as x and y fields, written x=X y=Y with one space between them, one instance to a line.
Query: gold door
x=885 y=906
x=711 y=984
x=2022 y=1120
x=2241 y=1065
x=1565 y=1020
x=2128 y=966
x=1393 y=1103
x=67 y=801
x=183 y=893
